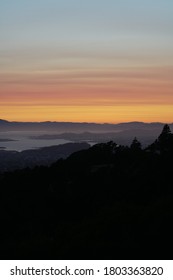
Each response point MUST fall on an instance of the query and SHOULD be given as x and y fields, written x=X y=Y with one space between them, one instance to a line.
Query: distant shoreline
x=7 y=140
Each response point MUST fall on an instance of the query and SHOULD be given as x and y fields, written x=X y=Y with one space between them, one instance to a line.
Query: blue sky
x=52 y=21
x=44 y=39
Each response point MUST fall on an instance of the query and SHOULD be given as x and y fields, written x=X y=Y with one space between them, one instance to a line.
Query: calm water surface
x=23 y=142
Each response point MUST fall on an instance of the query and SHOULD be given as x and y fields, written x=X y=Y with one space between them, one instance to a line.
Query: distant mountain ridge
x=77 y=126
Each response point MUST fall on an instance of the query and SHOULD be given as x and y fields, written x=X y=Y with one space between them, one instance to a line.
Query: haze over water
x=24 y=142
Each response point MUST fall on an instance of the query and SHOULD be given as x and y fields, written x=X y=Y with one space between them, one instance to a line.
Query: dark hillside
x=12 y=160
x=107 y=202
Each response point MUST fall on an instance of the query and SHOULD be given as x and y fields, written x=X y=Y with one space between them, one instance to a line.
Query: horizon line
x=101 y=123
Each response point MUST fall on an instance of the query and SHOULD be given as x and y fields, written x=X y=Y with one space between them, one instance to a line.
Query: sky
x=104 y=61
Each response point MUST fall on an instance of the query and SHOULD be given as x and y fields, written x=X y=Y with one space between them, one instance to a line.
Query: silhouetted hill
x=11 y=160
x=106 y=202
x=61 y=127
x=53 y=126
x=125 y=137
x=121 y=133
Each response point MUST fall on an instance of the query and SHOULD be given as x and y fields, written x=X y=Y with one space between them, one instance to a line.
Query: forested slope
x=107 y=202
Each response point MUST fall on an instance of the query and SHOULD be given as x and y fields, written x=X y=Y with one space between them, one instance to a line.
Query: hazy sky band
x=93 y=53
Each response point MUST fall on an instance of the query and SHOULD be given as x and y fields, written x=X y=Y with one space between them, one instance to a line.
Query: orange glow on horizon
x=95 y=62
x=109 y=95
x=98 y=114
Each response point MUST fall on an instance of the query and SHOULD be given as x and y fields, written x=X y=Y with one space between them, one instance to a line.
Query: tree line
x=106 y=202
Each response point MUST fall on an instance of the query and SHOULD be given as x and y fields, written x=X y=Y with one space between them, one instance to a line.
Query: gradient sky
x=93 y=61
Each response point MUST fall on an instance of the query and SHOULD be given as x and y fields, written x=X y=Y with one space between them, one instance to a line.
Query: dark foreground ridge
x=107 y=202
x=12 y=160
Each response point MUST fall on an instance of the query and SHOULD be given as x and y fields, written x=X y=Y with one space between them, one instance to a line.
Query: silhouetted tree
x=165 y=140
x=165 y=134
x=136 y=145
x=164 y=143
